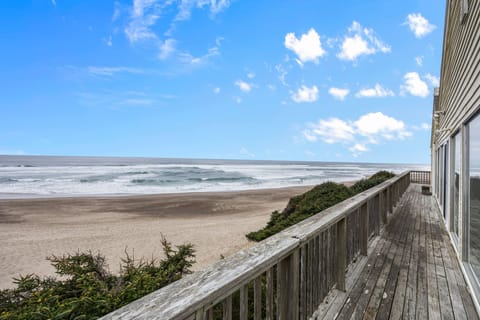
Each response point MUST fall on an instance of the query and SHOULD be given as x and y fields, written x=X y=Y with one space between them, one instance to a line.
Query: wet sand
x=215 y=222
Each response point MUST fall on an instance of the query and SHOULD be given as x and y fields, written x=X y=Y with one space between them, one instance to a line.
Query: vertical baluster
x=269 y=296
x=364 y=229
x=341 y=254
x=310 y=278
x=315 y=270
x=282 y=294
x=200 y=315
x=244 y=302
x=257 y=298
x=227 y=308
x=294 y=285
x=303 y=282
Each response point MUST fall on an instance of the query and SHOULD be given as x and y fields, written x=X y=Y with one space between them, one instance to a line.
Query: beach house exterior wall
x=455 y=142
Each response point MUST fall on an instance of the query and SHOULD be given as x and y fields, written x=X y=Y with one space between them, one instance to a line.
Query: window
x=456 y=181
x=474 y=194
x=446 y=191
x=463 y=11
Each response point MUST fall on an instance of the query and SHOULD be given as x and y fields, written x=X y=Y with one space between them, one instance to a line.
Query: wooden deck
x=411 y=272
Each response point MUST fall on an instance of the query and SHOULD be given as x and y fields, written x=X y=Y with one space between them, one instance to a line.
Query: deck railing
x=283 y=277
x=422 y=177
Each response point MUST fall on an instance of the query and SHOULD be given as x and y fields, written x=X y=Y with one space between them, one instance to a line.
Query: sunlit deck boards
x=412 y=271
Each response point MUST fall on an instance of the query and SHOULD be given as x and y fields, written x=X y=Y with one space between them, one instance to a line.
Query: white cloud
x=419 y=25
x=361 y=41
x=166 y=49
x=339 y=93
x=377 y=125
x=116 y=99
x=117 y=11
x=143 y=20
x=244 y=86
x=189 y=59
x=216 y=90
x=282 y=73
x=108 y=41
x=357 y=149
x=305 y=94
x=186 y=7
x=434 y=81
x=111 y=71
x=414 y=85
x=144 y=14
x=419 y=60
x=376 y=91
x=244 y=151
x=251 y=75
x=237 y=100
x=330 y=131
x=370 y=128
x=425 y=126
x=307 y=48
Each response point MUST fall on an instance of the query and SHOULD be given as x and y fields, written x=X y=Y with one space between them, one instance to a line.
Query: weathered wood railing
x=283 y=277
x=422 y=177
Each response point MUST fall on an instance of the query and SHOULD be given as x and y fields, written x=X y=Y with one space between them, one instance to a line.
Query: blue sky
x=231 y=79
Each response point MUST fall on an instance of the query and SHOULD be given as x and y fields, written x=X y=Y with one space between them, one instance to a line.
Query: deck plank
x=412 y=271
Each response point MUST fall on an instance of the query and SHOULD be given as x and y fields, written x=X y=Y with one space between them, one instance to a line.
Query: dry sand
x=216 y=223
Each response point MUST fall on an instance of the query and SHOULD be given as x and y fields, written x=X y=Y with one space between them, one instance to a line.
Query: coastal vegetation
x=314 y=201
x=86 y=289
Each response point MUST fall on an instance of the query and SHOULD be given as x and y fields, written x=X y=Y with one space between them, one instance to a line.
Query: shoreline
x=18 y=196
x=215 y=222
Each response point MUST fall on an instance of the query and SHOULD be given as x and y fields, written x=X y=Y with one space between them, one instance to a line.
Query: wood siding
x=459 y=94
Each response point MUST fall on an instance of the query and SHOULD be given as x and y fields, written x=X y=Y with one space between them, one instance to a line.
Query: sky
x=226 y=79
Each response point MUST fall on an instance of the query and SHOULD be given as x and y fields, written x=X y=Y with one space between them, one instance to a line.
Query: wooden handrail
x=297 y=266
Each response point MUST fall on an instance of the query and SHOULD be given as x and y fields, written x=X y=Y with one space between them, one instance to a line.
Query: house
x=455 y=142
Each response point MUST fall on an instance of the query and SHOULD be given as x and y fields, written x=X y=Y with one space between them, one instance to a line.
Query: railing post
x=294 y=285
x=257 y=298
x=288 y=287
x=227 y=308
x=244 y=302
x=376 y=205
x=269 y=297
x=364 y=229
x=383 y=209
x=341 y=253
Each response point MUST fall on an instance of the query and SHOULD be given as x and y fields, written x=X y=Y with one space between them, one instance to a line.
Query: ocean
x=54 y=176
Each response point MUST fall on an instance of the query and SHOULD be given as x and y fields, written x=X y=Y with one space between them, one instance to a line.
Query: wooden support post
x=303 y=283
x=288 y=276
x=200 y=315
x=294 y=286
x=282 y=285
x=341 y=253
x=376 y=205
x=384 y=210
x=257 y=298
x=364 y=229
x=244 y=302
x=269 y=295
x=227 y=308
x=389 y=200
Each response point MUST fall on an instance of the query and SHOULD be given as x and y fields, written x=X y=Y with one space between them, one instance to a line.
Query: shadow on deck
x=410 y=272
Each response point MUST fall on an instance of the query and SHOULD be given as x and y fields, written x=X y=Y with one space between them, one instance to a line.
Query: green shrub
x=87 y=290
x=314 y=201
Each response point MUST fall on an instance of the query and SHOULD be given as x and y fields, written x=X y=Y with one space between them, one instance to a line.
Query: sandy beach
x=216 y=223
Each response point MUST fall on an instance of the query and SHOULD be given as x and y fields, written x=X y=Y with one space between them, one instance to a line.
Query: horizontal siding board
x=460 y=74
